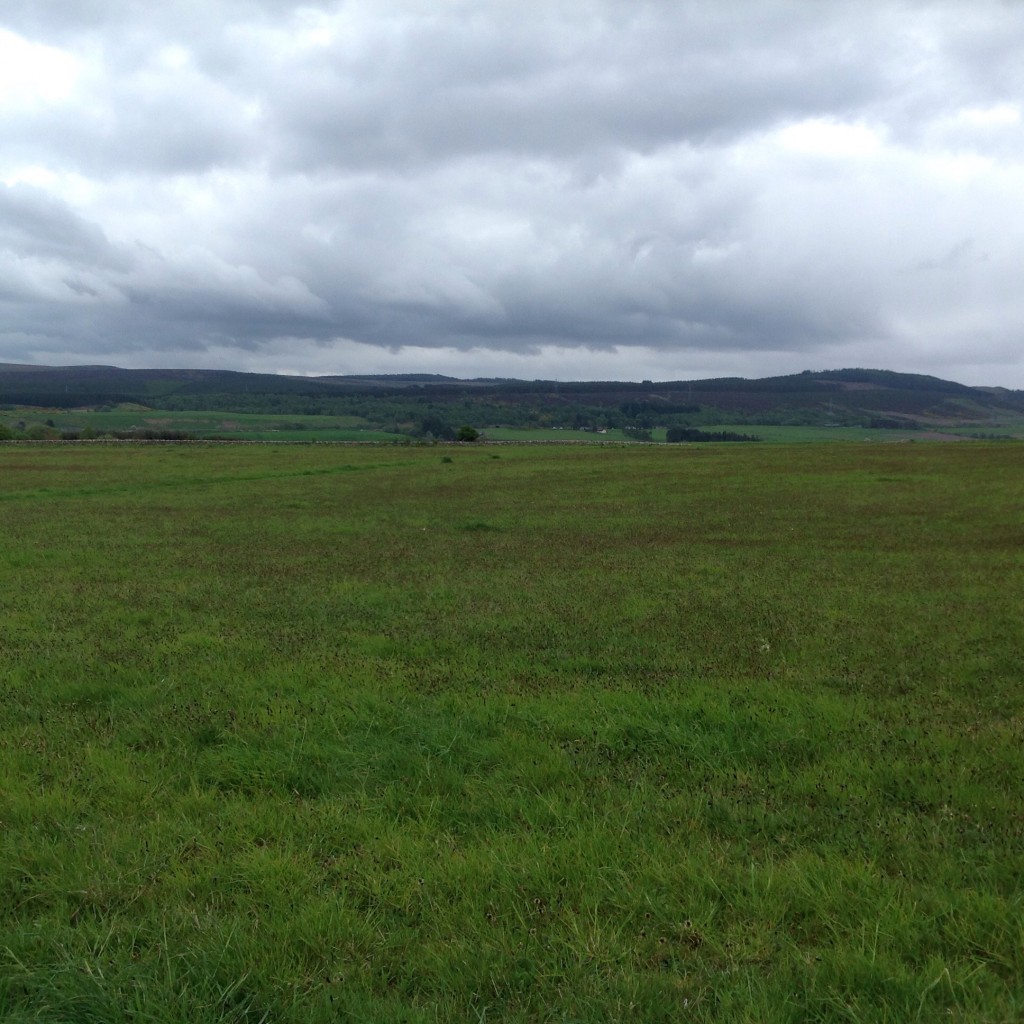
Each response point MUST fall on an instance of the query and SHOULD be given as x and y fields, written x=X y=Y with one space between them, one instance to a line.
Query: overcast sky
x=612 y=189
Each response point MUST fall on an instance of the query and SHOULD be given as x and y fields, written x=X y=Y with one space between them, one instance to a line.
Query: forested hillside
x=429 y=404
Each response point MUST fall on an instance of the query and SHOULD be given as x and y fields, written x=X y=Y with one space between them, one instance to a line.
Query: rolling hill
x=848 y=397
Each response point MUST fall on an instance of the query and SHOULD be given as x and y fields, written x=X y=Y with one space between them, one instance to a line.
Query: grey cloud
x=547 y=88
x=118 y=20
x=61 y=273
x=958 y=256
x=252 y=178
x=404 y=87
x=36 y=224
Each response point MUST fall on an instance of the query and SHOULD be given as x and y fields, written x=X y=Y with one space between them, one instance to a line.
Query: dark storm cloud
x=289 y=185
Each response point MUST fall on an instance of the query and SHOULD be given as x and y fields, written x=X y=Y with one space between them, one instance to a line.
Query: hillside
x=433 y=403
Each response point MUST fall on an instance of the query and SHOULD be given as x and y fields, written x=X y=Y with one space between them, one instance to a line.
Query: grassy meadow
x=659 y=733
x=239 y=426
x=41 y=423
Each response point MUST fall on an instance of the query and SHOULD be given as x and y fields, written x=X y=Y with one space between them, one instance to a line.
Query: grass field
x=218 y=425
x=1010 y=429
x=703 y=733
x=298 y=427
x=771 y=434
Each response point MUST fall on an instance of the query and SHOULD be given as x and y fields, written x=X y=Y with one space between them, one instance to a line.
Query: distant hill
x=860 y=397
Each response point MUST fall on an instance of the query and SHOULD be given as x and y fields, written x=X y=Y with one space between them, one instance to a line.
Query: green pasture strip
x=550 y=434
x=347 y=435
x=771 y=434
x=800 y=435
x=803 y=435
x=539 y=733
x=195 y=422
x=1010 y=427
x=767 y=434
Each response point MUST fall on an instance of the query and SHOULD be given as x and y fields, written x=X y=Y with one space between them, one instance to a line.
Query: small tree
x=467 y=433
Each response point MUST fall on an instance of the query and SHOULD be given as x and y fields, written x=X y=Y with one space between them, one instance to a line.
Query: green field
x=801 y=435
x=243 y=426
x=217 y=425
x=772 y=434
x=704 y=732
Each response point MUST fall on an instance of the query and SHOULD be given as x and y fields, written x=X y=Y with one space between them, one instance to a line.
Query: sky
x=566 y=189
